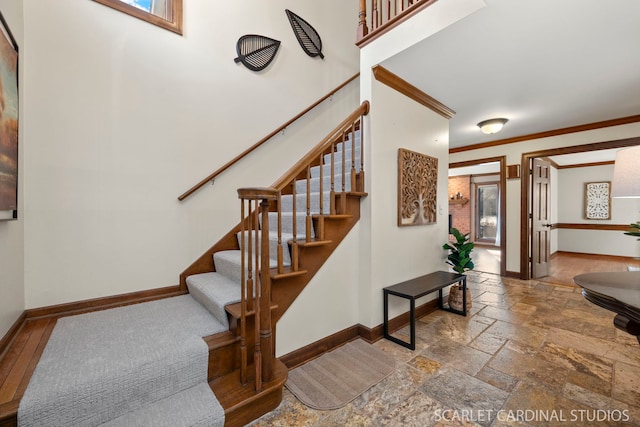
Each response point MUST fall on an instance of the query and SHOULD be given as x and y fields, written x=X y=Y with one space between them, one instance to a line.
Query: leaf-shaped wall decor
x=307 y=36
x=256 y=52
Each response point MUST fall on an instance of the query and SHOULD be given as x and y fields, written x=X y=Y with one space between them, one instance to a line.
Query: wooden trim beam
x=549 y=133
x=590 y=226
x=585 y=165
x=395 y=82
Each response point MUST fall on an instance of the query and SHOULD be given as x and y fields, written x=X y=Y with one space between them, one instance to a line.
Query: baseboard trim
x=12 y=333
x=371 y=335
x=102 y=303
x=512 y=274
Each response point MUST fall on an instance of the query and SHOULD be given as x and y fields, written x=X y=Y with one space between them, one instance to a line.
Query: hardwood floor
x=565 y=265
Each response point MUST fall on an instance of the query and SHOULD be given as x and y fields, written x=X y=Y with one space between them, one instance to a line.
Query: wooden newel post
x=266 y=337
x=362 y=20
x=264 y=352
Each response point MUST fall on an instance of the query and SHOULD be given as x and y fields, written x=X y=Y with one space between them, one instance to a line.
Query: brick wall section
x=460 y=214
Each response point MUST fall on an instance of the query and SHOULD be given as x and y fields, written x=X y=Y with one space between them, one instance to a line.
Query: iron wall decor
x=307 y=36
x=417 y=188
x=256 y=52
x=8 y=123
x=597 y=200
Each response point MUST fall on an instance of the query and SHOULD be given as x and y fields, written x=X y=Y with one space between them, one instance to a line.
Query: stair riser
x=273 y=245
x=337 y=157
x=337 y=169
x=287 y=223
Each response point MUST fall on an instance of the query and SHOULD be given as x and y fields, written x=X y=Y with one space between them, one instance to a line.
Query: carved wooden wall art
x=417 y=188
x=597 y=200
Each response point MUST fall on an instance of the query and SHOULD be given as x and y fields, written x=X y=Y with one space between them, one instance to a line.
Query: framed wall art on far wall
x=597 y=200
x=8 y=123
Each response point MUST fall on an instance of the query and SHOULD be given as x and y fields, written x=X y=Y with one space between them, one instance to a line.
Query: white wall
x=122 y=117
x=12 y=232
x=389 y=254
x=570 y=184
x=401 y=253
x=514 y=154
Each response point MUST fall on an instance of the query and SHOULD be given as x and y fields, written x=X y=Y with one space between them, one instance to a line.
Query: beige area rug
x=336 y=378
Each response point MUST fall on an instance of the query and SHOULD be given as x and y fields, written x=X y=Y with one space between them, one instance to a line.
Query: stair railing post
x=243 y=298
x=353 y=157
x=266 y=337
x=294 y=221
x=257 y=304
x=362 y=20
x=343 y=175
x=259 y=288
x=332 y=192
x=307 y=227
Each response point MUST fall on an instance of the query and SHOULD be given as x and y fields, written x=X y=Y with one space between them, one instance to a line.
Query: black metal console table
x=419 y=287
x=618 y=292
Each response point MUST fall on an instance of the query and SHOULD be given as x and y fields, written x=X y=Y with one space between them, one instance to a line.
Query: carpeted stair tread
x=214 y=291
x=228 y=263
x=273 y=243
x=101 y=365
x=314 y=184
x=194 y=407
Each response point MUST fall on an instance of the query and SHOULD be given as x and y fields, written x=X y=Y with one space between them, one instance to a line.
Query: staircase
x=249 y=278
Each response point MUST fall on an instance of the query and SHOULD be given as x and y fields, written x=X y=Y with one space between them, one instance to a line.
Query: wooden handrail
x=263 y=140
x=301 y=165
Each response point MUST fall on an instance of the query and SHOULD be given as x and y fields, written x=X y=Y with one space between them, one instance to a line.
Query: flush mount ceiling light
x=492 y=125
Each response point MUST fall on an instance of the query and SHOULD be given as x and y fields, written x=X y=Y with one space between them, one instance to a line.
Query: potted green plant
x=460 y=259
x=459 y=251
x=634 y=230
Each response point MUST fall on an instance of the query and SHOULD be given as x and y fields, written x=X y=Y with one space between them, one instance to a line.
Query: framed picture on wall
x=8 y=123
x=597 y=200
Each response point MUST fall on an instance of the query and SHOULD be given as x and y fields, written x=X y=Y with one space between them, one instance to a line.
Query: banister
x=263 y=140
x=285 y=179
x=381 y=22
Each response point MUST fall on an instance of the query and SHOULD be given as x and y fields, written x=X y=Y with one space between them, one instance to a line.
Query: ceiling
x=543 y=64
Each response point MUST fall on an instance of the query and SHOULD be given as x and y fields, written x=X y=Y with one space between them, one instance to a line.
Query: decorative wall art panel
x=256 y=52
x=597 y=200
x=417 y=188
x=8 y=123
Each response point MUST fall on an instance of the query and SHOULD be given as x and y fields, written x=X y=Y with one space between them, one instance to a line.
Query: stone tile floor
x=529 y=354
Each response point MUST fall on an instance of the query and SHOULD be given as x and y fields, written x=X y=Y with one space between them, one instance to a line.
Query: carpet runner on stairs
x=125 y=362
x=217 y=289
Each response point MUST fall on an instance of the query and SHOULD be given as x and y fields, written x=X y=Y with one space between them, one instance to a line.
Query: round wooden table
x=618 y=292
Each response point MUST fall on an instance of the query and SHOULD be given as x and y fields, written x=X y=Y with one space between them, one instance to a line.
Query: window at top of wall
x=163 y=13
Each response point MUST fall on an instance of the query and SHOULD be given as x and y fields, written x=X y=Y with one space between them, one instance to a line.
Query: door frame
x=502 y=160
x=525 y=189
